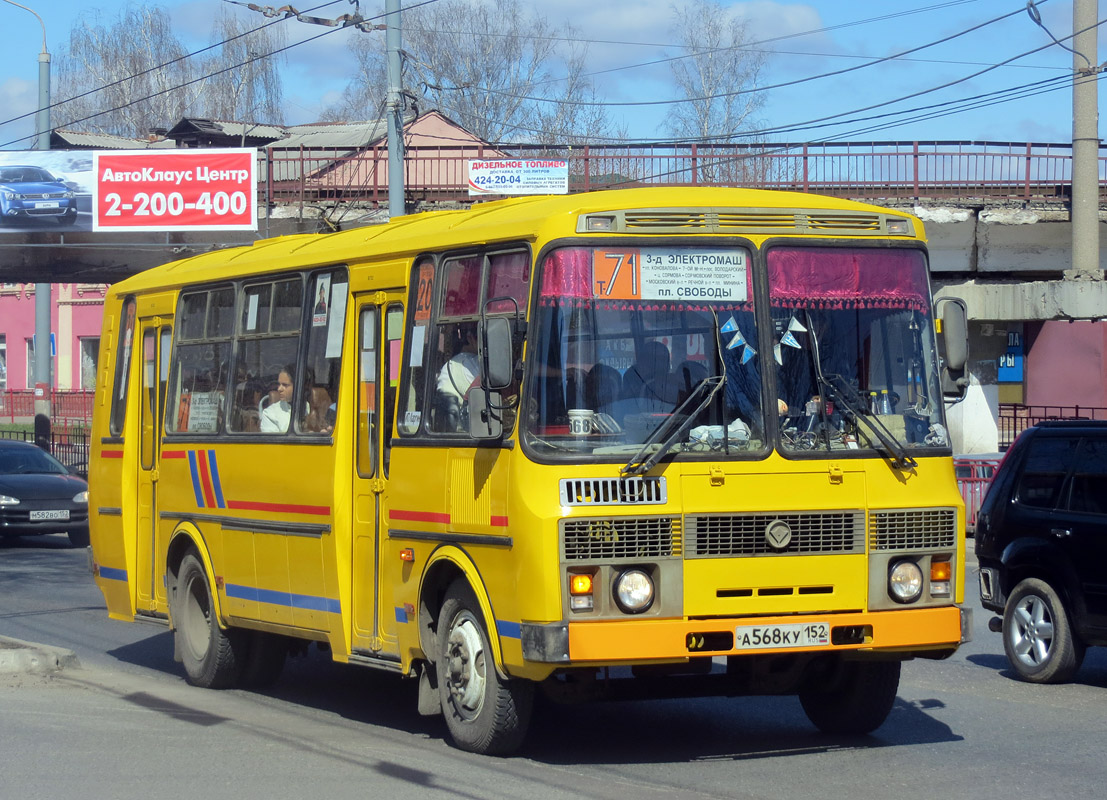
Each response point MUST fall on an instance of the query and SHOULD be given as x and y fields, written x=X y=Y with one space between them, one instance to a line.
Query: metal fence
x=66 y=407
x=1015 y=418
x=1020 y=171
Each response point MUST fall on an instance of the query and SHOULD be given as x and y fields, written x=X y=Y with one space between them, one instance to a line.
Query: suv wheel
x=1037 y=636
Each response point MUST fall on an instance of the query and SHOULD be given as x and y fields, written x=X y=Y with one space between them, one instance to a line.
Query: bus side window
x=393 y=350
x=413 y=388
x=318 y=407
x=124 y=345
x=199 y=372
x=267 y=343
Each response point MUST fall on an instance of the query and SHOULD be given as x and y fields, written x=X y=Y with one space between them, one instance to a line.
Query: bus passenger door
x=380 y=339
x=156 y=338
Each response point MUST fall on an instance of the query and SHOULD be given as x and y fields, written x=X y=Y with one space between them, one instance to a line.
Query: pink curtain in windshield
x=833 y=277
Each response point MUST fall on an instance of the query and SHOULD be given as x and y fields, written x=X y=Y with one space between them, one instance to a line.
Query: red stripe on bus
x=499 y=522
x=111 y=454
x=250 y=505
x=205 y=480
x=419 y=516
x=174 y=454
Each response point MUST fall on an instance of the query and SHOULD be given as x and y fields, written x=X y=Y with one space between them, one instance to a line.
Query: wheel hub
x=1033 y=631
x=465 y=664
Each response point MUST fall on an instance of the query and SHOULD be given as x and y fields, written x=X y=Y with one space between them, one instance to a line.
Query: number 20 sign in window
x=175 y=190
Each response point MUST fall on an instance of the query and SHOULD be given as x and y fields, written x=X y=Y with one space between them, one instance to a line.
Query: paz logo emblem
x=778 y=534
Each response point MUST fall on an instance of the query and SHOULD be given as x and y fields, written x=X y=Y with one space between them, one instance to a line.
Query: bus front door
x=156 y=338
x=380 y=339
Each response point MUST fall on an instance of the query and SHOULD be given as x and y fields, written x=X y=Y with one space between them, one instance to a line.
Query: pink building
x=76 y=310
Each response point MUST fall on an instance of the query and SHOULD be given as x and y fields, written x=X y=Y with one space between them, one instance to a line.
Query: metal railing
x=1018 y=171
x=67 y=407
x=1014 y=418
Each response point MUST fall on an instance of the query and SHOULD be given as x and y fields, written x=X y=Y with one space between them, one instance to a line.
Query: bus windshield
x=637 y=352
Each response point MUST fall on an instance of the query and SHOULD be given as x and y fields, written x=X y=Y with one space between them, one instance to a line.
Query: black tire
x=484 y=713
x=854 y=698
x=78 y=538
x=213 y=658
x=1037 y=637
x=264 y=660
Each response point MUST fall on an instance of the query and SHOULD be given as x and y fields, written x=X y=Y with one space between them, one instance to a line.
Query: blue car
x=29 y=191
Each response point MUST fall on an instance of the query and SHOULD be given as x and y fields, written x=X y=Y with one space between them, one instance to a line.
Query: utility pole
x=42 y=290
x=394 y=113
x=395 y=102
x=1085 y=144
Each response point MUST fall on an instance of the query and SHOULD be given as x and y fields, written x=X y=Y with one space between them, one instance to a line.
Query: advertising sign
x=518 y=176
x=175 y=190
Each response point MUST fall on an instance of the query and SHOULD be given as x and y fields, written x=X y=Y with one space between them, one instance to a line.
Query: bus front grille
x=620 y=538
x=635 y=491
x=816 y=533
x=913 y=529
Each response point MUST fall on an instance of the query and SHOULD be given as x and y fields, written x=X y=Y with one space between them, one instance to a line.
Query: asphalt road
x=125 y=725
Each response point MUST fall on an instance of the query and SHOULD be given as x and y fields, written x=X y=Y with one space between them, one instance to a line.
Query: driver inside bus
x=457 y=376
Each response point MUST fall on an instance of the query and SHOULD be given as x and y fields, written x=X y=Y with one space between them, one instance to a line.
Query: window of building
x=90 y=356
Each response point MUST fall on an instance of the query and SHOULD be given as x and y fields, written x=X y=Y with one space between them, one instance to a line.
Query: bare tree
x=496 y=67
x=250 y=92
x=718 y=78
x=111 y=78
x=132 y=75
x=365 y=94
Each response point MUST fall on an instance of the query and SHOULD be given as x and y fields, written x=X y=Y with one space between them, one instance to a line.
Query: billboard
x=58 y=191
x=518 y=176
x=175 y=190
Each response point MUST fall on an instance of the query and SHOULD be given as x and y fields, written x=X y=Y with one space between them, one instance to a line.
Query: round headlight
x=905 y=582
x=634 y=591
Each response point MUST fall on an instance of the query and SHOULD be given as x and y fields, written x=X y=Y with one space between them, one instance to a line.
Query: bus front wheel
x=484 y=713
x=212 y=657
x=853 y=698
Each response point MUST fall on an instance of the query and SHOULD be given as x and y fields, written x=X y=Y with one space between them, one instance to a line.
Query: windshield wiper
x=848 y=399
x=639 y=463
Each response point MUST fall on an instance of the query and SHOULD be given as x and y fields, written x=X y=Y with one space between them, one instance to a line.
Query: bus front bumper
x=902 y=632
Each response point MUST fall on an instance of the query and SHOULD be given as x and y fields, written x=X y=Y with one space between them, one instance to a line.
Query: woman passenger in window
x=276 y=415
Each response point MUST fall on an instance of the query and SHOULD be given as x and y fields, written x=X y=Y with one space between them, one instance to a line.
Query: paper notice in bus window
x=418 y=337
x=336 y=317
x=203 y=412
x=252 y=312
x=676 y=274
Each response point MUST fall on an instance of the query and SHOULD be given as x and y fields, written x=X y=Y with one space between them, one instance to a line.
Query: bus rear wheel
x=484 y=713
x=212 y=657
x=855 y=697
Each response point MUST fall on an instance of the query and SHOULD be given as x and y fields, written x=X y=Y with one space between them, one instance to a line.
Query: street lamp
x=42 y=290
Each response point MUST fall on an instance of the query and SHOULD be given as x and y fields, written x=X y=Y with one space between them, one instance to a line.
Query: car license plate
x=43 y=515
x=46 y=205
x=763 y=637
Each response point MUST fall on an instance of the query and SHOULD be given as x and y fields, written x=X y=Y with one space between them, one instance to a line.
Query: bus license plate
x=41 y=515
x=762 y=637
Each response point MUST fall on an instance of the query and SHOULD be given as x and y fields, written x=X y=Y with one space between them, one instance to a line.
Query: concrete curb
x=19 y=656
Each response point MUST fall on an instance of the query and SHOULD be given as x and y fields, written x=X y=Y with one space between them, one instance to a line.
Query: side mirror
x=485 y=421
x=955 y=337
x=496 y=355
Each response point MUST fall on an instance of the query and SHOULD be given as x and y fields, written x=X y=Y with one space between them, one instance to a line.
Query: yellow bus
x=643 y=442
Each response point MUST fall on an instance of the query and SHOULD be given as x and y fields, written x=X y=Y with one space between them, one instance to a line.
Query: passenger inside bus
x=277 y=413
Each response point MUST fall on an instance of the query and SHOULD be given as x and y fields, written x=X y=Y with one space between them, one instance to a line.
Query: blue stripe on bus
x=215 y=479
x=511 y=630
x=113 y=574
x=304 y=601
x=195 y=479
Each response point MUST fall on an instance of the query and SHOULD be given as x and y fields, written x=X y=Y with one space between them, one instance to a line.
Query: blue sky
x=803 y=40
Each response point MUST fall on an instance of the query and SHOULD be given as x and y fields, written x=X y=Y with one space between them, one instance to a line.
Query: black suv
x=1041 y=539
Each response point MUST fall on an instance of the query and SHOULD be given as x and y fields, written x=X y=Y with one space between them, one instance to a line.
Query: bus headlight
x=905 y=582
x=634 y=591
